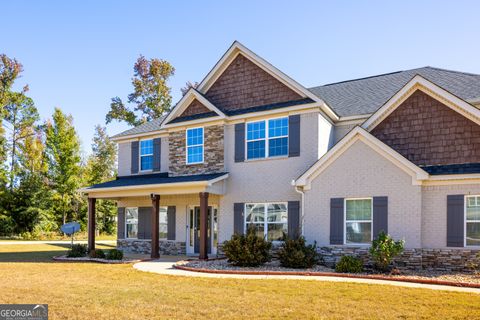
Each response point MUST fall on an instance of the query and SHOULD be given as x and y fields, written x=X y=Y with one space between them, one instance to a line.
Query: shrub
x=384 y=249
x=247 y=250
x=115 y=254
x=97 y=253
x=295 y=253
x=349 y=264
x=77 y=250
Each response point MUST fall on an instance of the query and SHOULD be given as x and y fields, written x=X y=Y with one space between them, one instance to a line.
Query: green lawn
x=97 y=291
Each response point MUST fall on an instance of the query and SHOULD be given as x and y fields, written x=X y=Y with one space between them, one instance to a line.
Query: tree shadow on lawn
x=42 y=253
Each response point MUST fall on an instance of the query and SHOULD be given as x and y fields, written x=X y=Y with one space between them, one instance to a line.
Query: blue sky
x=79 y=54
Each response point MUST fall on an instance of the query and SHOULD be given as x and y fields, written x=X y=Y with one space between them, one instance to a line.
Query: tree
x=21 y=114
x=63 y=157
x=187 y=87
x=151 y=96
x=101 y=167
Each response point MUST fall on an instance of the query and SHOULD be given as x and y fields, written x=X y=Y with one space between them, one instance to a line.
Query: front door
x=194 y=230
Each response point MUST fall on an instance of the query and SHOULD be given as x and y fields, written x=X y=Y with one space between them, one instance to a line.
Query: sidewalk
x=165 y=266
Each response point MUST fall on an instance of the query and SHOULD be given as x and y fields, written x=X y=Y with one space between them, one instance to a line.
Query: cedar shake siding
x=195 y=107
x=243 y=84
x=427 y=132
x=213 y=159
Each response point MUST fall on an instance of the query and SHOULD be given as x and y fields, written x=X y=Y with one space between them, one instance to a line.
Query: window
x=194 y=145
x=358 y=221
x=270 y=220
x=472 y=233
x=163 y=223
x=131 y=223
x=267 y=138
x=146 y=155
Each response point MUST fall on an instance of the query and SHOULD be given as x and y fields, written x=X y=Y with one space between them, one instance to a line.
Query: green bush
x=384 y=249
x=349 y=264
x=247 y=250
x=77 y=250
x=115 y=254
x=295 y=253
x=97 y=253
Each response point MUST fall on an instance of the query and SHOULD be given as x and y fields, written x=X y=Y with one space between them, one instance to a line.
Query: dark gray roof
x=462 y=168
x=143 y=128
x=155 y=178
x=366 y=95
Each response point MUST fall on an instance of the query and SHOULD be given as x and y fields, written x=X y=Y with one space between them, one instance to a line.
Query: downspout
x=302 y=207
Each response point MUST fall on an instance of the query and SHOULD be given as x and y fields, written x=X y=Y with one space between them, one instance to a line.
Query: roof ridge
x=454 y=71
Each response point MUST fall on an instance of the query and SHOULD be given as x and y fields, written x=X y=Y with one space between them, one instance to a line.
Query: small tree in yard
x=384 y=249
x=247 y=250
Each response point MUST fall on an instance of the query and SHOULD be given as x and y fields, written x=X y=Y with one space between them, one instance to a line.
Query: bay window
x=358 y=221
x=267 y=138
x=270 y=220
x=472 y=221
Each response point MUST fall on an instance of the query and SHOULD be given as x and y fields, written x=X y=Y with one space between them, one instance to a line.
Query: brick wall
x=427 y=132
x=195 y=107
x=213 y=153
x=243 y=84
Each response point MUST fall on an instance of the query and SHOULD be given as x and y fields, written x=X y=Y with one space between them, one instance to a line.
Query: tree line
x=41 y=162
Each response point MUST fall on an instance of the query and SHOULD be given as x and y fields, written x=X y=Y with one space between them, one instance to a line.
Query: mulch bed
x=64 y=258
x=221 y=266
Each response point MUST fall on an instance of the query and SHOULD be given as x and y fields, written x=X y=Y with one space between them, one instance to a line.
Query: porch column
x=155 y=253
x=91 y=224
x=203 y=225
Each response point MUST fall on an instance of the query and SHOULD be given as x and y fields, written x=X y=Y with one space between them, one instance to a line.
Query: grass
x=88 y=291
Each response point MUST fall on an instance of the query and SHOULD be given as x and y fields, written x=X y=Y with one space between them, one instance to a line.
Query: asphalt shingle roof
x=155 y=178
x=462 y=168
x=366 y=95
x=143 y=128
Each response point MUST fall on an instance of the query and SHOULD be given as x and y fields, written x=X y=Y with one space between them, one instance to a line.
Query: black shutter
x=120 y=223
x=336 y=221
x=171 y=220
x=135 y=155
x=380 y=215
x=238 y=218
x=294 y=219
x=294 y=136
x=157 y=153
x=455 y=220
x=239 y=142
x=145 y=222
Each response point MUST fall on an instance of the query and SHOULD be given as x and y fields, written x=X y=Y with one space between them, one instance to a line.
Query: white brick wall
x=362 y=172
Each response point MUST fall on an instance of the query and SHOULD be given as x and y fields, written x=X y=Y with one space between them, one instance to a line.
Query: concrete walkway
x=165 y=266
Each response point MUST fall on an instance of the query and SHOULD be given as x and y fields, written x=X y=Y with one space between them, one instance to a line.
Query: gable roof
x=358 y=133
x=364 y=96
x=146 y=127
x=419 y=83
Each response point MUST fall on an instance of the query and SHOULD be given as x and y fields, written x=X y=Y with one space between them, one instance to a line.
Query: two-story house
x=338 y=163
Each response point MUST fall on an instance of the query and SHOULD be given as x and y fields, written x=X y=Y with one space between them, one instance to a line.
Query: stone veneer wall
x=144 y=246
x=213 y=158
x=412 y=259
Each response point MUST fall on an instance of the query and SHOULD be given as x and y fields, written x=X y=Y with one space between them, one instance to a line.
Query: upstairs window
x=472 y=221
x=267 y=138
x=194 y=145
x=358 y=221
x=146 y=155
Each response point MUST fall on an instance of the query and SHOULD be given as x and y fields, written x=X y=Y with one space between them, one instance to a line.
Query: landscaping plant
x=384 y=249
x=97 y=253
x=295 y=253
x=77 y=250
x=247 y=250
x=115 y=254
x=349 y=264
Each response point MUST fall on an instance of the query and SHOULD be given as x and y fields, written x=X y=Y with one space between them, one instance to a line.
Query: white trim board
x=354 y=135
x=430 y=88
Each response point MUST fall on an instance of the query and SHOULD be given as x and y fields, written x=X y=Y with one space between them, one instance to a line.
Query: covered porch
x=155 y=209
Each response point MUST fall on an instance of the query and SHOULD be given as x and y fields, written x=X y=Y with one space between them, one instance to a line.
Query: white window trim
x=140 y=155
x=195 y=145
x=125 y=224
x=265 y=221
x=267 y=139
x=360 y=221
x=465 y=221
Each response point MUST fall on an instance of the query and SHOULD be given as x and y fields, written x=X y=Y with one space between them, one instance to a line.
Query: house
x=338 y=163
